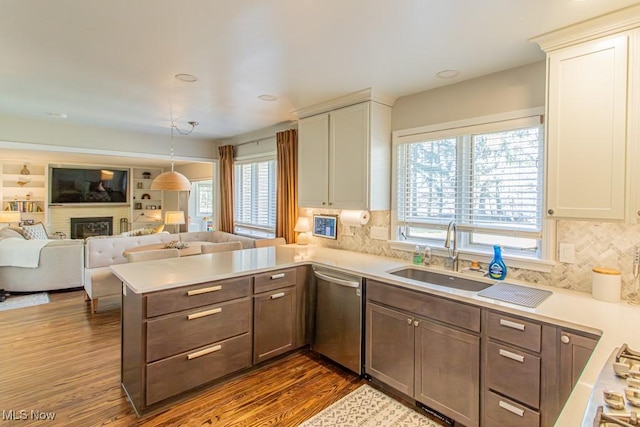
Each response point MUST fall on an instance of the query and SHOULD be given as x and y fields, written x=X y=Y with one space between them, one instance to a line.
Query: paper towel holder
x=352 y=218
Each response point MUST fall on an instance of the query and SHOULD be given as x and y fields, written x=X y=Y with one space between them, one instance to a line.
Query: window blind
x=488 y=182
x=255 y=194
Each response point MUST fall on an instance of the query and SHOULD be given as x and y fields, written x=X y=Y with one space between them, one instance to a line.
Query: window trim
x=196 y=195
x=487 y=123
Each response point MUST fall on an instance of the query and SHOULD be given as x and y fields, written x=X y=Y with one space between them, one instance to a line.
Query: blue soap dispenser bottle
x=497 y=267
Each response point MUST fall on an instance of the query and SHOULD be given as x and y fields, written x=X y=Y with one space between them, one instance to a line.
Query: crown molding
x=611 y=23
x=344 y=101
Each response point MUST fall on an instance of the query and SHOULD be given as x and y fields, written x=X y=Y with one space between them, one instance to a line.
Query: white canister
x=606 y=284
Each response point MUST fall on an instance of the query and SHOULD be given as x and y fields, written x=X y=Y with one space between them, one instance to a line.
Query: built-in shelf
x=146 y=204
x=23 y=188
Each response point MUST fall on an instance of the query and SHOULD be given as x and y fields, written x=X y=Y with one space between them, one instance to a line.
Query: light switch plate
x=379 y=233
x=567 y=253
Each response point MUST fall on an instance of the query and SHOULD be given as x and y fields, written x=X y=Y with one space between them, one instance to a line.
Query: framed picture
x=325 y=226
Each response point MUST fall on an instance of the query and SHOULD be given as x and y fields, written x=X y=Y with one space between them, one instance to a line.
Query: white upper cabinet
x=586 y=130
x=591 y=141
x=349 y=156
x=313 y=161
x=344 y=158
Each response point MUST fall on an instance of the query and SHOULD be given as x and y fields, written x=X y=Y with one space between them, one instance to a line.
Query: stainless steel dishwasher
x=338 y=317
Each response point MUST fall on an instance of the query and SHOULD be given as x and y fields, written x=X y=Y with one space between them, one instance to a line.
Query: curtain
x=226 y=188
x=183 y=202
x=287 y=182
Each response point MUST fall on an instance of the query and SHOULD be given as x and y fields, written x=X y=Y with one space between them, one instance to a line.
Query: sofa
x=60 y=266
x=216 y=237
x=101 y=252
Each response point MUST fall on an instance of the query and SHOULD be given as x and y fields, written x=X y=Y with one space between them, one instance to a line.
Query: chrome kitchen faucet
x=451 y=243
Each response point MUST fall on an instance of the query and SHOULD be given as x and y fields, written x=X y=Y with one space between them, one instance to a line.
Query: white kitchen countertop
x=616 y=322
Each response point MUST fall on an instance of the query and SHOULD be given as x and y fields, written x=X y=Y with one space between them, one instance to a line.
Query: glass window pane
x=507 y=242
x=255 y=197
x=489 y=183
x=430 y=186
x=505 y=180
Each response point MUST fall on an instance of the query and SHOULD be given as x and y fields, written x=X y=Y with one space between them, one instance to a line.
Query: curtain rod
x=255 y=141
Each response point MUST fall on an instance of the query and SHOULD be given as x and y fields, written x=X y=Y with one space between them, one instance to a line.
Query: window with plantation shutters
x=255 y=197
x=486 y=177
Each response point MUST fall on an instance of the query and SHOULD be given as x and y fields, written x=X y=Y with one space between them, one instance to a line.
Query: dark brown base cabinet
x=476 y=366
x=179 y=339
x=274 y=314
x=432 y=362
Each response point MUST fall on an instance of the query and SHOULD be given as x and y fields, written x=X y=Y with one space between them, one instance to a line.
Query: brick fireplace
x=81 y=228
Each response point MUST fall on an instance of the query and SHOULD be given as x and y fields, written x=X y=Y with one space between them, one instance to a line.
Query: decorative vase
x=25 y=170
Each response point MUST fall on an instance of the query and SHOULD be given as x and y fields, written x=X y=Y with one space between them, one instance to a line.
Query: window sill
x=543 y=266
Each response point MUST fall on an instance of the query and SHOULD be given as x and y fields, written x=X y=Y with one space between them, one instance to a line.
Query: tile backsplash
x=597 y=244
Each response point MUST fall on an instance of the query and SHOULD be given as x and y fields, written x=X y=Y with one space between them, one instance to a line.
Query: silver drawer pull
x=278 y=295
x=512 y=356
x=512 y=325
x=277 y=276
x=204 y=352
x=203 y=291
x=204 y=313
x=509 y=407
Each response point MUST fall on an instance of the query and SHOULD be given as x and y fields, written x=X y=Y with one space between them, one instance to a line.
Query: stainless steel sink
x=441 y=279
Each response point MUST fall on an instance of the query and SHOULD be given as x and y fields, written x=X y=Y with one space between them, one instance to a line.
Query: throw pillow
x=157 y=229
x=35 y=231
x=12 y=232
x=133 y=233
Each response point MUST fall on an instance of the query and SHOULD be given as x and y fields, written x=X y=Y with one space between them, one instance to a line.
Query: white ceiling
x=111 y=63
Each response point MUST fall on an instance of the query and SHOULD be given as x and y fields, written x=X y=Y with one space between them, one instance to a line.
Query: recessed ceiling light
x=267 y=98
x=447 y=74
x=57 y=115
x=187 y=78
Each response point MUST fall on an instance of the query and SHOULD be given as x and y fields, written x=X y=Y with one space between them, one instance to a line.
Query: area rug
x=20 y=301
x=368 y=407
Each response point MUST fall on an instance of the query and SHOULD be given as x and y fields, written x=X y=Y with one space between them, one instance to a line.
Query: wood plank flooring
x=59 y=358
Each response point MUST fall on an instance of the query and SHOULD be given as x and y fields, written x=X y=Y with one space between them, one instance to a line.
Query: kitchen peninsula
x=144 y=282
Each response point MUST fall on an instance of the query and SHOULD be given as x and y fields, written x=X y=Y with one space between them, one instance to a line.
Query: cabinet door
x=313 y=161
x=575 y=351
x=390 y=347
x=274 y=323
x=586 y=128
x=447 y=364
x=349 y=157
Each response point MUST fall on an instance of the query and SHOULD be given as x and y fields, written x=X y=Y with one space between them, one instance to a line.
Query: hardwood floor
x=59 y=358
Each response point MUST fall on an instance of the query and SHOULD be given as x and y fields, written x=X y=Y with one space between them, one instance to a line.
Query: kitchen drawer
x=455 y=313
x=169 y=377
x=514 y=331
x=172 y=300
x=513 y=373
x=499 y=411
x=265 y=282
x=175 y=333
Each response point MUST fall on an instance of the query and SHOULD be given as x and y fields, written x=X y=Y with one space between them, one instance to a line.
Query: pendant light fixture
x=173 y=181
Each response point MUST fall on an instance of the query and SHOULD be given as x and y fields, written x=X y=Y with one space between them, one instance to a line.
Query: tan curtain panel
x=287 y=179
x=226 y=188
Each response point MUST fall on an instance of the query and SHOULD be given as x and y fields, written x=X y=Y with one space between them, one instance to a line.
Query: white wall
x=48 y=135
x=510 y=90
x=262 y=141
x=196 y=171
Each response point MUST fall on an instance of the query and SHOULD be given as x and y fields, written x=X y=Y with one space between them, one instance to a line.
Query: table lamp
x=174 y=218
x=7 y=217
x=303 y=227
